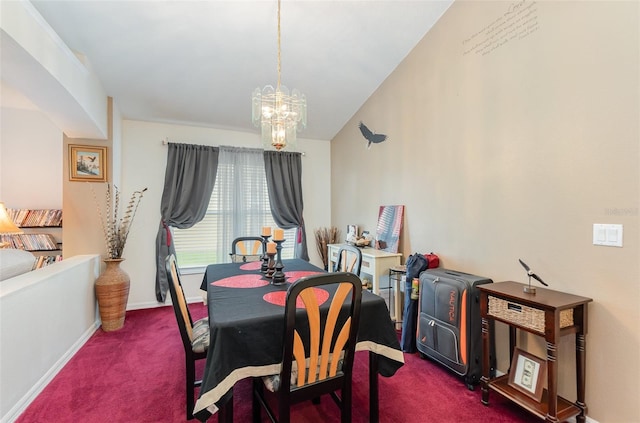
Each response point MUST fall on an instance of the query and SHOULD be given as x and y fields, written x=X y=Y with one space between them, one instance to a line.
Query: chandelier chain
x=279 y=66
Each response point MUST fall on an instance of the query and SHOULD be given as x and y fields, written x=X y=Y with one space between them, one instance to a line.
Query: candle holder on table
x=271 y=268
x=265 y=256
x=278 y=276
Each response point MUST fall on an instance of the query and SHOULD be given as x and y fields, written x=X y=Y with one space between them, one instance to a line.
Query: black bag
x=416 y=263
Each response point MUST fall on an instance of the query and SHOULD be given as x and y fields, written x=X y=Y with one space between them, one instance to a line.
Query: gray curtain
x=188 y=183
x=284 y=182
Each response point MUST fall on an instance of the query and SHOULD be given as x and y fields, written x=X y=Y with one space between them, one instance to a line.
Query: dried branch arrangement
x=114 y=226
x=324 y=237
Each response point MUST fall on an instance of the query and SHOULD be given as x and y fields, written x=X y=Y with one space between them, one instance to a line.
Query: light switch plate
x=607 y=234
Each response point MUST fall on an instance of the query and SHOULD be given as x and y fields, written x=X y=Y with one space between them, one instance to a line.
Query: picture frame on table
x=352 y=233
x=528 y=374
x=87 y=163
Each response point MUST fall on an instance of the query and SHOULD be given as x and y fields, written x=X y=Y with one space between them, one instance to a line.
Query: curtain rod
x=165 y=141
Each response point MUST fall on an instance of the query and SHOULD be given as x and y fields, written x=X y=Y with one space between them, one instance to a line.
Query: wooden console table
x=547 y=313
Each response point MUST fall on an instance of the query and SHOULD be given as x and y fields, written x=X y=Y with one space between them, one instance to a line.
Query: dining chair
x=195 y=336
x=349 y=259
x=247 y=248
x=318 y=347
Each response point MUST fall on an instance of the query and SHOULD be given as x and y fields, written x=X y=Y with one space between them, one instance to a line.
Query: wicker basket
x=525 y=316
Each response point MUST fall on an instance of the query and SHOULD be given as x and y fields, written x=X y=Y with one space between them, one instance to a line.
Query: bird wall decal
x=370 y=136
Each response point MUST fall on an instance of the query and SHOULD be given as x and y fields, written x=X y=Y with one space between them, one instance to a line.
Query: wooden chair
x=195 y=336
x=247 y=248
x=349 y=259
x=319 y=347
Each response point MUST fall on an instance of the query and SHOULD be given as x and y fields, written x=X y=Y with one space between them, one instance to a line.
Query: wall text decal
x=519 y=21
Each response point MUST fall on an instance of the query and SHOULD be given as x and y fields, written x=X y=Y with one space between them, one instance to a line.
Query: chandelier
x=278 y=112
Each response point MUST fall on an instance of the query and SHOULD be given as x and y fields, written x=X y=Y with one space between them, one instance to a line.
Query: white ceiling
x=197 y=62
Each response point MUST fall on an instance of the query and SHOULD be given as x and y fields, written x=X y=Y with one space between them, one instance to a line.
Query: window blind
x=239 y=206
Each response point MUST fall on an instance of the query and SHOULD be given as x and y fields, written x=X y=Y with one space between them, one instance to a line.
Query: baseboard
x=154 y=304
x=141 y=306
x=28 y=398
x=587 y=419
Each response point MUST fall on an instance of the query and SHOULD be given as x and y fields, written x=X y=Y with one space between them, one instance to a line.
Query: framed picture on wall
x=87 y=163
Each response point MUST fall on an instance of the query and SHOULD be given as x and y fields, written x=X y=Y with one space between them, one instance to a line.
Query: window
x=239 y=206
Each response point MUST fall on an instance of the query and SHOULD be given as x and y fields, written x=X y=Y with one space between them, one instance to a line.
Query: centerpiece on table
x=112 y=286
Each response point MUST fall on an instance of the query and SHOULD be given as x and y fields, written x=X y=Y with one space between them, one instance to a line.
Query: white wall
x=143 y=165
x=45 y=317
x=31 y=158
x=37 y=63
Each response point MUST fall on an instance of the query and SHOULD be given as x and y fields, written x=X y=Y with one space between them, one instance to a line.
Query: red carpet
x=136 y=374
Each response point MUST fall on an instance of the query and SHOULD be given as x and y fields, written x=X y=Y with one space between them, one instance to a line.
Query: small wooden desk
x=377 y=264
x=547 y=313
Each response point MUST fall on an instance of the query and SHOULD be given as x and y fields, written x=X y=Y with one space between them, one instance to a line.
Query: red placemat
x=278 y=298
x=252 y=265
x=242 y=281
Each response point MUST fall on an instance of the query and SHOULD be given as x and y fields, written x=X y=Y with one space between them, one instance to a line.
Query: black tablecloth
x=246 y=329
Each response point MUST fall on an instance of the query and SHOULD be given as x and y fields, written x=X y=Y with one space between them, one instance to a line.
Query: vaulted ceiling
x=198 y=62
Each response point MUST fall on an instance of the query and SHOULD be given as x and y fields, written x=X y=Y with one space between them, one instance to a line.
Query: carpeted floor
x=136 y=374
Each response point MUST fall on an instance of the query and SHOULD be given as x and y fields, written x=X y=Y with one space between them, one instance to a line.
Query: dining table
x=246 y=321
